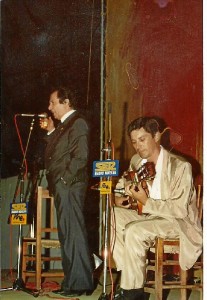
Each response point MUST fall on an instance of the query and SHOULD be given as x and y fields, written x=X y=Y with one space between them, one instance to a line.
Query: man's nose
x=137 y=146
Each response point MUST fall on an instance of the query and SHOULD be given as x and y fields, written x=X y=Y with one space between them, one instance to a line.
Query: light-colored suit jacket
x=177 y=204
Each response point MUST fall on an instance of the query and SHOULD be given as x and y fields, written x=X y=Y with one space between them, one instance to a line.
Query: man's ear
x=67 y=101
x=157 y=136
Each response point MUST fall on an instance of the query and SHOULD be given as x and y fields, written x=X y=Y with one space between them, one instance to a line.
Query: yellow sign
x=18 y=219
x=18 y=213
x=105 y=187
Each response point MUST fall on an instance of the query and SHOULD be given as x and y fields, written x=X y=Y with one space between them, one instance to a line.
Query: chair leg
x=201 y=294
x=159 y=269
x=183 y=278
x=38 y=268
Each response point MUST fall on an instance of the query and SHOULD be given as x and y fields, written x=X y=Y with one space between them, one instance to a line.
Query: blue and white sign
x=105 y=168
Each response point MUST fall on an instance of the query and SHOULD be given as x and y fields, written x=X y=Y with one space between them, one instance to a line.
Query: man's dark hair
x=150 y=124
x=64 y=93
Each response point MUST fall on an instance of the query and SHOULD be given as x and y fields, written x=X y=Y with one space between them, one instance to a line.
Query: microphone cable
x=24 y=163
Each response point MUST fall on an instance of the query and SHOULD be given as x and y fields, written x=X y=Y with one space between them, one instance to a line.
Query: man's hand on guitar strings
x=137 y=194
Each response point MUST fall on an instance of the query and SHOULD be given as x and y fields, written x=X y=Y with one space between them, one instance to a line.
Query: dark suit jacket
x=66 y=154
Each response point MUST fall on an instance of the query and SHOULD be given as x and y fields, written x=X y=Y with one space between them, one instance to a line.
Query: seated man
x=168 y=210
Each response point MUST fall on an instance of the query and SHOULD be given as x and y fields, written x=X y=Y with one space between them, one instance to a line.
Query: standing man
x=169 y=210
x=66 y=158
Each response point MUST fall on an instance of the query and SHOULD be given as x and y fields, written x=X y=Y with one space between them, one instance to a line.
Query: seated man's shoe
x=119 y=294
x=134 y=294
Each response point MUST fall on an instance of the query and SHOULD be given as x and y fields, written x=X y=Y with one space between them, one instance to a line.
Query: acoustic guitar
x=144 y=174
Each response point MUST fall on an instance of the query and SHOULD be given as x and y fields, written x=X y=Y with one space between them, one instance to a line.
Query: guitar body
x=142 y=175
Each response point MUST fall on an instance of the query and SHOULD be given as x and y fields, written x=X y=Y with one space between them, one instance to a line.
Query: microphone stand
x=19 y=284
x=108 y=151
x=104 y=295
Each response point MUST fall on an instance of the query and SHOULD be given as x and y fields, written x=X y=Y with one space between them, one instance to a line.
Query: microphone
x=120 y=191
x=33 y=115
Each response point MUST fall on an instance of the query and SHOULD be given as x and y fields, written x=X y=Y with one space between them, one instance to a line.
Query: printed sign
x=18 y=213
x=105 y=168
x=105 y=187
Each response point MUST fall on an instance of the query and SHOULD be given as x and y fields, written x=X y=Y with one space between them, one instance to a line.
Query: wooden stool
x=41 y=242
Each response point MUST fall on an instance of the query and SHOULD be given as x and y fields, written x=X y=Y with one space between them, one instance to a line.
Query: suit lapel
x=60 y=129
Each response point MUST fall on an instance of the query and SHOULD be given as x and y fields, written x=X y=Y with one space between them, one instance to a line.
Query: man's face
x=57 y=109
x=143 y=143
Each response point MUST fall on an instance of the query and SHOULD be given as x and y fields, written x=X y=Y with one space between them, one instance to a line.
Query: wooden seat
x=43 y=242
x=163 y=257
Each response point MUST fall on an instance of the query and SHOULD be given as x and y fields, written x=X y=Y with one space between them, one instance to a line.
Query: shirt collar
x=65 y=116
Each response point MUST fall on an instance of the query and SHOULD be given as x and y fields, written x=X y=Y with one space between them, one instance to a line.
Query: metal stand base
x=6 y=289
x=19 y=285
x=103 y=297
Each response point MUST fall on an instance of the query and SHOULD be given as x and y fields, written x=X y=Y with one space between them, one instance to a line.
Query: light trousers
x=133 y=235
